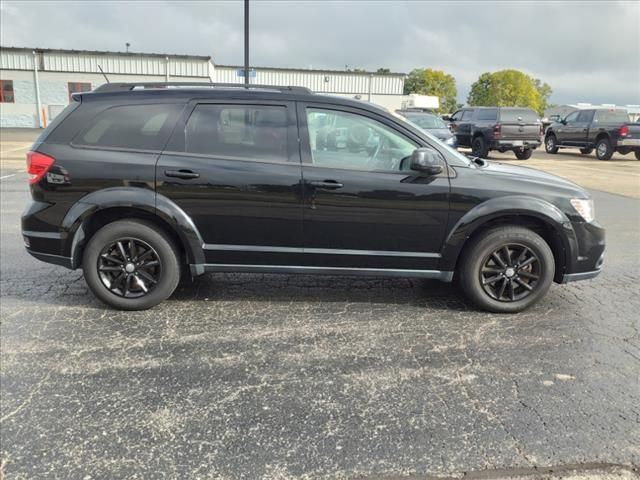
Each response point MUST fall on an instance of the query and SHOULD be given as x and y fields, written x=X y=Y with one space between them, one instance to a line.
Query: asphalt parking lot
x=266 y=376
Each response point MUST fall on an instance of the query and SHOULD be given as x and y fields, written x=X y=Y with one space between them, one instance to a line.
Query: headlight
x=584 y=207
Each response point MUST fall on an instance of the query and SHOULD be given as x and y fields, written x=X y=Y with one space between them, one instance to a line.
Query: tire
x=637 y=154
x=551 y=144
x=477 y=265
x=586 y=151
x=104 y=263
x=479 y=147
x=523 y=154
x=604 y=150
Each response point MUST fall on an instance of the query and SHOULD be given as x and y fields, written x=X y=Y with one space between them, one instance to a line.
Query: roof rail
x=126 y=87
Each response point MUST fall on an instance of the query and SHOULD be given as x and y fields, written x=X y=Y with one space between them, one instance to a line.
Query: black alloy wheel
x=129 y=267
x=510 y=273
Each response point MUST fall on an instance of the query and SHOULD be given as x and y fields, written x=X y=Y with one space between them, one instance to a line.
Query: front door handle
x=326 y=184
x=185 y=174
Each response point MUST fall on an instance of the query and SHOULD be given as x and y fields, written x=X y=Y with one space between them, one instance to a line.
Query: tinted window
x=426 y=121
x=612 y=116
x=129 y=126
x=355 y=142
x=466 y=115
x=585 y=116
x=488 y=114
x=517 y=115
x=572 y=117
x=241 y=131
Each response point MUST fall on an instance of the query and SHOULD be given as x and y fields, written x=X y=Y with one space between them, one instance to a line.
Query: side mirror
x=426 y=160
x=446 y=118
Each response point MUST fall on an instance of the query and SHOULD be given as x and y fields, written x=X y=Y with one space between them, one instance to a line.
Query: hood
x=529 y=175
x=441 y=133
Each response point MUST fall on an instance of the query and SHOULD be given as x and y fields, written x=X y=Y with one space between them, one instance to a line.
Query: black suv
x=138 y=183
x=497 y=128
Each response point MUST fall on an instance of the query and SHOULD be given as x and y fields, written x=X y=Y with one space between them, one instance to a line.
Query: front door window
x=355 y=142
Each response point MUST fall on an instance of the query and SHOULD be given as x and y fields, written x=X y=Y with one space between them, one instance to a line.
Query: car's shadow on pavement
x=329 y=289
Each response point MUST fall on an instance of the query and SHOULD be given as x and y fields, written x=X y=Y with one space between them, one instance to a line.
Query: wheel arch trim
x=141 y=199
x=508 y=207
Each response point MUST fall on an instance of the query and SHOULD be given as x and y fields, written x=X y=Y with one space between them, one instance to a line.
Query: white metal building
x=36 y=84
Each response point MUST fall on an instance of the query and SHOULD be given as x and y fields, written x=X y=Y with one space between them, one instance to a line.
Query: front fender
x=135 y=198
x=509 y=206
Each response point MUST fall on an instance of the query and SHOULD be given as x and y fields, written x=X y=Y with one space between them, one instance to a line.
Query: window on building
x=78 y=87
x=6 y=91
x=129 y=126
x=240 y=131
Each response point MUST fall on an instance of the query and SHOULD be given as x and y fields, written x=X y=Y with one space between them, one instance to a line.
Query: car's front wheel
x=506 y=269
x=131 y=265
x=551 y=144
x=523 y=154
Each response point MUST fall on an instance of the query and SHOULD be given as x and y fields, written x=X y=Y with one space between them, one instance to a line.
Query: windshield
x=452 y=151
x=426 y=121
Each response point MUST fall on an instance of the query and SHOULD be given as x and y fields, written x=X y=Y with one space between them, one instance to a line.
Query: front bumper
x=588 y=257
x=576 y=277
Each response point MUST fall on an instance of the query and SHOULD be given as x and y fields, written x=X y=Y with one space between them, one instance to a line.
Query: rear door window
x=518 y=115
x=245 y=132
x=131 y=127
x=488 y=114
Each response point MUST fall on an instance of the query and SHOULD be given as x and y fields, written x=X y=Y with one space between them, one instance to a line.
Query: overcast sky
x=587 y=51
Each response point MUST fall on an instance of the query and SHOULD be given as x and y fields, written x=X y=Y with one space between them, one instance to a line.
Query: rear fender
x=140 y=199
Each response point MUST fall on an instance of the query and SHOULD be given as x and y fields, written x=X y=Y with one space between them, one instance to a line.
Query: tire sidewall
x=479 y=148
x=477 y=253
x=554 y=148
x=609 y=152
x=524 y=154
x=155 y=238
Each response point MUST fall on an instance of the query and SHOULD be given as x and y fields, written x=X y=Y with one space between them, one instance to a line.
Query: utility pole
x=246 y=42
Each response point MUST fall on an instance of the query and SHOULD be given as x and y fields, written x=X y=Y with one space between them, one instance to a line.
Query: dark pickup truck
x=607 y=130
x=497 y=128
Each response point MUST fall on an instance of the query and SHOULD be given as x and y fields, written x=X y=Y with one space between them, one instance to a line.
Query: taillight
x=497 y=130
x=624 y=131
x=38 y=164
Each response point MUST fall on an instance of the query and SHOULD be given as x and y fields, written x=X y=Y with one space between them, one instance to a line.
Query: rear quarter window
x=487 y=114
x=517 y=115
x=135 y=127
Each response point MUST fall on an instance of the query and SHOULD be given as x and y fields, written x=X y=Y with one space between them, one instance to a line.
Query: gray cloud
x=587 y=51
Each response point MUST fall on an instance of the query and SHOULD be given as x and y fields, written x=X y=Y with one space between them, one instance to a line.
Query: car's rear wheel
x=551 y=144
x=523 y=154
x=479 y=147
x=586 y=151
x=637 y=154
x=604 y=150
x=131 y=265
x=506 y=270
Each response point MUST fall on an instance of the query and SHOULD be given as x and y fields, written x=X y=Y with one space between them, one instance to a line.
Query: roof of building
x=106 y=52
x=314 y=70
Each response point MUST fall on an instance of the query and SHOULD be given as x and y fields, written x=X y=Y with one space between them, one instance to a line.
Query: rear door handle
x=326 y=184
x=186 y=174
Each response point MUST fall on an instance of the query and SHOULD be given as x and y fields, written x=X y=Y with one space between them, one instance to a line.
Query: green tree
x=545 y=91
x=426 y=81
x=509 y=88
x=383 y=70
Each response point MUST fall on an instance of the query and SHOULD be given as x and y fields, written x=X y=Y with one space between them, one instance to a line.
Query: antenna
x=104 y=74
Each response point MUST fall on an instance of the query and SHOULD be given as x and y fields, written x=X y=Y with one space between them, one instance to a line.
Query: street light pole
x=246 y=42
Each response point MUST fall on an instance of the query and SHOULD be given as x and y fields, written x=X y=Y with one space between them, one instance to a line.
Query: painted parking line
x=8 y=176
x=24 y=147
